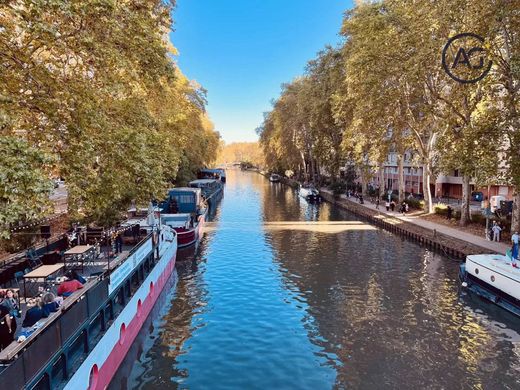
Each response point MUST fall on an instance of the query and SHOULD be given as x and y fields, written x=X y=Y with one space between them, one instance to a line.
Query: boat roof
x=212 y=170
x=183 y=189
x=498 y=263
x=203 y=181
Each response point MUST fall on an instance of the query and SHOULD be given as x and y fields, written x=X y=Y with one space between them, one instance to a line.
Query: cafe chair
x=18 y=276
x=34 y=260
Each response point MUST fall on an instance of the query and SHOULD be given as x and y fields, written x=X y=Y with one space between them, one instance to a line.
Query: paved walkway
x=494 y=247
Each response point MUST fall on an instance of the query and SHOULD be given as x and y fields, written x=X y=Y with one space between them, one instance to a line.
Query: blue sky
x=241 y=51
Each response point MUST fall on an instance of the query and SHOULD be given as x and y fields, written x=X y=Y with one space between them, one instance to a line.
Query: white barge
x=494 y=278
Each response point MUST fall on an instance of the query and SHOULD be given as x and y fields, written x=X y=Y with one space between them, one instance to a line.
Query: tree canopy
x=94 y=85
x=384 y=89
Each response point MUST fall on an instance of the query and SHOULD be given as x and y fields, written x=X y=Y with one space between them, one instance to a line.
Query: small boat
x=185 y=212
x=309 y=193
x=275 y=178
x=494 y=278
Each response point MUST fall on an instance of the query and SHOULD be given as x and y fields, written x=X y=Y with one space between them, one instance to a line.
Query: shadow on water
x=285 y=294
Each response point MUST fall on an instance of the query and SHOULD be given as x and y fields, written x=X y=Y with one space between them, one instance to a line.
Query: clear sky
x=241 y=51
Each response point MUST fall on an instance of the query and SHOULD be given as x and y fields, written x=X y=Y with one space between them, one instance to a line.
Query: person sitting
x=7 y=327
x=68 y=286
x=34 y=313
x=50 y=305
x=11 y=303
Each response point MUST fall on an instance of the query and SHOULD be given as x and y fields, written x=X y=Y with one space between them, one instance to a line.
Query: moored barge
x=212 y=190
x=82 y=344
x=212 y=173
x=186 y=214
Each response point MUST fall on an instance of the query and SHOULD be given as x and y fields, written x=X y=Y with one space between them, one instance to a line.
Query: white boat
x=494 y=278
x=309 y=193
x=275 y=178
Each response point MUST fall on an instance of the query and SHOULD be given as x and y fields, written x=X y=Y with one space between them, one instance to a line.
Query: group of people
x=37 y=308
x=355 y=194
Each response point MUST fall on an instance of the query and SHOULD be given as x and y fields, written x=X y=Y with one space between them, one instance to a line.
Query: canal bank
x=438 y=237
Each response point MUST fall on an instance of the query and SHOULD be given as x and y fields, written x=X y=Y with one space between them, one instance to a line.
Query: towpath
x=495 y=247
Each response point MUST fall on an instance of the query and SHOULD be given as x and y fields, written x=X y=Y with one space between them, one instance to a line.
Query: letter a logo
x=465 y=59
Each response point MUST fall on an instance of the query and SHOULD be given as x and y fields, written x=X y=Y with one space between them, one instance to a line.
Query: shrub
x=415 y=203
x=441 y=209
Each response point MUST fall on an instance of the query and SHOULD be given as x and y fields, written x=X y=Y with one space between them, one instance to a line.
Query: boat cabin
x=182 y=200
x=208 y=186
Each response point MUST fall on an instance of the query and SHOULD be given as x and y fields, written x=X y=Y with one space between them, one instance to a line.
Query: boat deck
x=498 y=263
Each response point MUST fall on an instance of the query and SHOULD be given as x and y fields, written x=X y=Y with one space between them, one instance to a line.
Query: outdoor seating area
x=35 y=283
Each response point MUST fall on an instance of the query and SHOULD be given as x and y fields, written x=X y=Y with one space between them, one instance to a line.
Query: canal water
x=286 y=295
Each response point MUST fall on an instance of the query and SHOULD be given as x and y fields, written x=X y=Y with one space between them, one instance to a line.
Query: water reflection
x=285 y=294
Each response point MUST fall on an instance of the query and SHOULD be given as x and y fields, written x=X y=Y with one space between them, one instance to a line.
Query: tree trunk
x=465 y=214
x=382 y=181
x=362 y=179
x=400 y=180
x=312 y=169
x=515 y=221
x=304 y=165
x=428 y=202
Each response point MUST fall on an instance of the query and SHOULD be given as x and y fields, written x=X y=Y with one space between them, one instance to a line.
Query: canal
x=286 y=295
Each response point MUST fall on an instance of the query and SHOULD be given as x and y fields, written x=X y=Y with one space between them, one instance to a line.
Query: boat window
x=128 y=290
x=122 y=334
x=139 y=308
x=77 y=349
x=43 y=383
x=58 y=370
x=476 y=271
x=135 y=283
x=119 y=301
x=492 y=278
x=95 y=329
x=93 y=378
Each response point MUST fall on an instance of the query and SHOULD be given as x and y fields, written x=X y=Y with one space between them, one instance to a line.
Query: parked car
x=477 y=196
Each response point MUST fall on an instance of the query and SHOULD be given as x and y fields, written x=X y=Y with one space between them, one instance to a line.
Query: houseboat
x=185 y=212
x=212 y=173
x=82 y=344
x=212 y=190
x=275 y=178
x=309 y=193
x=494 y=278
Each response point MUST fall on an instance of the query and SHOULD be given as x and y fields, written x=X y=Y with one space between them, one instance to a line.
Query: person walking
x=377 y=203
x=449 y=212
x=496 y=229
x=514 y=250
x=392 y=206
x=387 y=205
